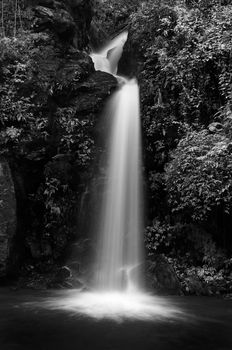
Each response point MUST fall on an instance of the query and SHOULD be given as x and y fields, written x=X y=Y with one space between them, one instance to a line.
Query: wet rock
x=80 y=261
x=75 y=266
x=72 y=71
x=8 y=218
x=93 y=92
x=64 y=278
x=62 y=274
x=58 y=20
x=82 y=13
x=129 y=64
x=76 y=283
x=161 y=276
x=56 y=77
x=98 y=37
x=69 y=19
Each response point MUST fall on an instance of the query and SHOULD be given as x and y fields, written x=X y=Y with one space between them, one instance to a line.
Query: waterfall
x=118 y=291
x=108 y=57
x=119 y=255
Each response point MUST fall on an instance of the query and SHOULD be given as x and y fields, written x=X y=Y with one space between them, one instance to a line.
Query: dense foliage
x=112 y=15
x=199 y=178
x=181 y=53
x=15 y=17
x=49 y=147
x=183 y=61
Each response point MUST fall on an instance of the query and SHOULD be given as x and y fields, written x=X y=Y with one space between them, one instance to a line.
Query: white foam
x=112 y=305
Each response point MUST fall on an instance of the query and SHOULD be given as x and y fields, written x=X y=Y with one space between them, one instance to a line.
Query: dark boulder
x=64 y=279
x=161 y=276
x=63 y=274
x=76 y=67
x=58 y=20
x=72 y=71
x=91 y=94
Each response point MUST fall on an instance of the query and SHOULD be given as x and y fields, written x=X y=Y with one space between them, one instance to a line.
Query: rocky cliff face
x=70 y=20
x=52 y=161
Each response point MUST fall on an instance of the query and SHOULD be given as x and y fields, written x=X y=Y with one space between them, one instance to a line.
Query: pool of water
x=68 y=320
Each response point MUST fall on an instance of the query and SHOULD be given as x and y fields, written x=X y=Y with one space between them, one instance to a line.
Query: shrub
x=199 y=177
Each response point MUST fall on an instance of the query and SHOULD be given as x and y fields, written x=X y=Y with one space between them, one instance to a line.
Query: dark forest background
x=50 y=107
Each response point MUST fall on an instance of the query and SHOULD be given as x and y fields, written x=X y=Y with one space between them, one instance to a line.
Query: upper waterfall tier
x=107 y=58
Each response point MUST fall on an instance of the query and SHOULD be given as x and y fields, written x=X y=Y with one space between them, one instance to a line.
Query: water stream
x=106 y=60
x=63 y=320
x=120 y=245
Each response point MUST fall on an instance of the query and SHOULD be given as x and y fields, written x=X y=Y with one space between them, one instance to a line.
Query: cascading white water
x=107 y=58
x=119 y=252
x=121 y=220
x=118 y=290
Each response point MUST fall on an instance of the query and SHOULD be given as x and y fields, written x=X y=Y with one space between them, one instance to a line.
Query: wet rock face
x=64 y=75
x=80 y=86
x=7 y=214
x=69 y=19
x=92 y=93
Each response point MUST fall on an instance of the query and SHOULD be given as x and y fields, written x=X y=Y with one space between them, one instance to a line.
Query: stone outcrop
x=69 y=19
x=161 y=276
x=98 y=37
x=92 y=93
x=63 y=74
x=7 y=214
x=61 y=84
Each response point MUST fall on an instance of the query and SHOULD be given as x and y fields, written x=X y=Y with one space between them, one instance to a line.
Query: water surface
x=27 y=324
